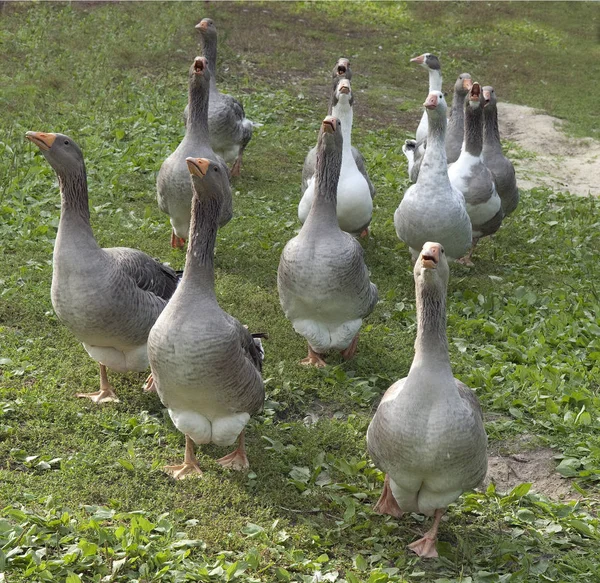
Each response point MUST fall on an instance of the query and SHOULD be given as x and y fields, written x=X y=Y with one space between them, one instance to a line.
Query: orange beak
x=431 y=101
x=202 y=25
x=344 y=87
x=200 y=64
x=467 y=84
x=419 y=60
x=475 y=92
x=42 y=140
x=329 y=124
x=430 y=255
x=198 y=166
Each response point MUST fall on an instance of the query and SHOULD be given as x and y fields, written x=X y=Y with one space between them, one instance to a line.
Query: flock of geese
x=131 y=311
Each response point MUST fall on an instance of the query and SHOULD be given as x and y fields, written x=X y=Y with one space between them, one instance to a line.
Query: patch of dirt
x=536 y=466
x=560 y=162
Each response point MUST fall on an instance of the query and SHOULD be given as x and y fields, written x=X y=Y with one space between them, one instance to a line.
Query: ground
x=83 y=497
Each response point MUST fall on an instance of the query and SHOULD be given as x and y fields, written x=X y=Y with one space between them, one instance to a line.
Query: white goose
x=355 y=191
x=427 y=434
x=432 y=64
x=323 y=282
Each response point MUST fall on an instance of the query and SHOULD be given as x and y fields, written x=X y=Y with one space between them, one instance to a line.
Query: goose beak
x=197 y=166
x=200 y=64
x=344 y=87
x=329 y=124
x=475 y=92
x=419 y=60
x=430 y=255
x=431 y=101
x=42 y=140
x=342 y=66
x=202 y=25
x=467 y=84
x=486 y=96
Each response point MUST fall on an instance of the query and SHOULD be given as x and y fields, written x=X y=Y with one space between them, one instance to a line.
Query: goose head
x=343 y=93
x=428 y=61
x=474 y=97
x=207 y=29
x=435 y=105
x=489 y=96
x=330 y=135
x=463 y=84
x=62 y=153
x=199 y=72
x=431 y=268
x=206 y=176
x=342 y=70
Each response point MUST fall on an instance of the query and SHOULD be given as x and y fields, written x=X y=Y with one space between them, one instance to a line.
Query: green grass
x=81 y=487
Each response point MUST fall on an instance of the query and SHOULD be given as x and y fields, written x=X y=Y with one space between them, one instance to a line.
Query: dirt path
x=559 y=162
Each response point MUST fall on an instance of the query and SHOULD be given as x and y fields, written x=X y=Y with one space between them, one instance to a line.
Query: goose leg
x=177 y=242
x=466 y=260
x=313 y=359
x=236 y=169
x=149 y=385
x=106 y=394
x=387 y=503
x=189 y=466
x=425 y=547
x=364 y=233
x=351 y=350
x=237 y=459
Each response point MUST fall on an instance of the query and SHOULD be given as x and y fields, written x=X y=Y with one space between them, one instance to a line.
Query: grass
x=81 y=488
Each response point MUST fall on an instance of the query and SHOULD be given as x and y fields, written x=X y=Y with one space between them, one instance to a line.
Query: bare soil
x=559 y=162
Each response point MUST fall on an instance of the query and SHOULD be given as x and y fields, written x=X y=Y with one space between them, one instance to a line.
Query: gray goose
x=500 y=166
x=414 y=151
x=108 y=298
x=206 y=366
x=427 y=434
x=323 y=282
x=471 y=176
x=230 y=130
x=174 y=189
x=341 y=70
x=433 y=209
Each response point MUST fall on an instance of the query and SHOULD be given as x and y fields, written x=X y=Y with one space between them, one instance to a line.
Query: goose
x=230 y=129
x=174 y=189
x=500 y=166
x=323 y=282
x=206 y=366
x=471 y=176
x=433 y=209
x=427 y=434
x=432 y=64
x=341 y=70
x=414 y=151
x=108 y=298
x=355 y=190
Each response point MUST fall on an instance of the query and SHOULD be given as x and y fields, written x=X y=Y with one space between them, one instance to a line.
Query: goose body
x=323 y=282
x=206 y=366
x=433 y=209
x=355 y=191
x=500 y=166
x=432 y=64
x=427 y=434
x=471 y=176
x=174 y=189
x=108 y=298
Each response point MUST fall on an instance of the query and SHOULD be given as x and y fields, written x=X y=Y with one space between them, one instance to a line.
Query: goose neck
x=197 y=109
x=75 y=212
x=435 y=80
x=327 y=176
x=343 y=111
x=435 y=160
x=199 y=260
x=209 y=51
x=473 y=143
x=491 y=132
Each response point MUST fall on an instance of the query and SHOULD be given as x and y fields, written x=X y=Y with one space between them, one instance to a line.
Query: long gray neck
x=197 y=108
x=74 y=194
x=473 y=129
x=327 y=176
x=209 y=50
x=491 y=133
x=435 y=80
x=431 y=344
x=458 y=106
x=434 y=165
x=199 y=260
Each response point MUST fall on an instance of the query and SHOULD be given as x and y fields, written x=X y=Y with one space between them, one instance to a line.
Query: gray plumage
x=205 y=364
x=108 y=298
x=341 y=70
x=323 y=282
x=471 y=176
x=174 y=188
x=427 y=434
x=493 y=157
x=432 y=209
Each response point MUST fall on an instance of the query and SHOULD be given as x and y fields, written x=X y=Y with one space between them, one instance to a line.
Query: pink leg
x=237 y=459
x=466 y=260
x=236 y=169
x=177 y=242
x=351 y=350
x=149 y=385
x=189 y=466
x=313 y=359
x=425 y=547
x=387 y=503
x=364 y=233
x=106 y=394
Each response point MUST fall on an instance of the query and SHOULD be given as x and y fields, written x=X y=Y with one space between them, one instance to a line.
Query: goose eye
x=67 y=142
x=215 y=169
x=443 y=252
